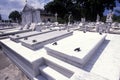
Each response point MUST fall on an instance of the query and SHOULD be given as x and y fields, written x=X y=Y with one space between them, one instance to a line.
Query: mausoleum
x=30 y=14
x=35 y=15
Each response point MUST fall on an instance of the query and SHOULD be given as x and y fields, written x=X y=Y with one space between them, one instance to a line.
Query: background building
x=32 y=15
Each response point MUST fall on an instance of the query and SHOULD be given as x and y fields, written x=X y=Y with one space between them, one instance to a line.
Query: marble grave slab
x=76 y=49
x=37 y=42
x=19 y=36
x=11 y=32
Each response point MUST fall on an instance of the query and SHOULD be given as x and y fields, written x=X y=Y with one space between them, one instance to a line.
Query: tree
x=116 y=17
x=80 y=8
x=56 y=7
x=15 y=16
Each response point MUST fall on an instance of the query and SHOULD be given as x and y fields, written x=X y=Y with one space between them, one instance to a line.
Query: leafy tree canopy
x=15 y=16
x=80 y=8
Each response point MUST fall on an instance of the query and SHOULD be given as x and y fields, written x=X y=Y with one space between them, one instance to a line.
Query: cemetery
x=53 y=51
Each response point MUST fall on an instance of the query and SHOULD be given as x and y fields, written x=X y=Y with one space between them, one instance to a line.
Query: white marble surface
x=88 y=43
x=29 y=54
x=105 y=63
x=74 y=73
x=5 y=30
x=13 y=32
x=24 y=34
x=52 y=74
x=19 y=36
x=27 y=60
x=43 y=39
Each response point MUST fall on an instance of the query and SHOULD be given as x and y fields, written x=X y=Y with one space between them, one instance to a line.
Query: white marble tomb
x=66 y=49
x=38 y=41
x=19 y=36
x=38 y=65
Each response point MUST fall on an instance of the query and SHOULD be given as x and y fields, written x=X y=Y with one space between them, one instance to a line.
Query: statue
x=109 y=21
x=109 y=17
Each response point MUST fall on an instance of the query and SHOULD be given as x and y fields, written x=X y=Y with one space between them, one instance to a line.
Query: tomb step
x=40 y=77
x=58 y=65
x=51 y=74
x=64 y=58
x=14 y=32
x=69 y=70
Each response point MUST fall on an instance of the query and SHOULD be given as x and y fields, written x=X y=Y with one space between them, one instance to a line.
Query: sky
x=7 y=6
x=115 y=8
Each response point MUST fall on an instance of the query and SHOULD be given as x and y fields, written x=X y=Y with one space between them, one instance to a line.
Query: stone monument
x=109 y=20
x=83 y=20
x=109 y=17
x=69 y=18
x=56 y=17
x=98 y=18
x=30 y=15
x=84 y=28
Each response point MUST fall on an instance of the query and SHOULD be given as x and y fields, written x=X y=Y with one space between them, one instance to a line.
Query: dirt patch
x=8 y=71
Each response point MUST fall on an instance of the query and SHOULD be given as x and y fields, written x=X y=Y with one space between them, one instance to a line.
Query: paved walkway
x=106 y=61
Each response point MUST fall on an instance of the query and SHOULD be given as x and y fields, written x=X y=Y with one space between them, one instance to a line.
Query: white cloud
x=7 y=6
x=36 y=3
